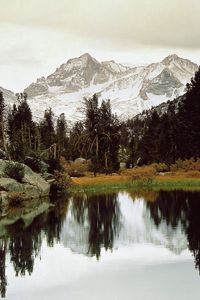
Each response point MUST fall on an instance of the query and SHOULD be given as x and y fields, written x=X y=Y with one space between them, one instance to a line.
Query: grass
x=120 y=182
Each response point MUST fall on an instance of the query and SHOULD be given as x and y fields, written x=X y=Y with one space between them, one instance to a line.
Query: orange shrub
x=77 y=168
x=160 y=167
x=192 y=174
x=186 y=165
x=141 y=173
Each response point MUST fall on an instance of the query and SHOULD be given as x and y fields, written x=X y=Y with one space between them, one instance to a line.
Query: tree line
x=96 y=138
x=169 y=136
x=101 y=138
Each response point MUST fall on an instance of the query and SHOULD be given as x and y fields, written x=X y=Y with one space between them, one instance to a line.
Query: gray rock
x=3 y=202
x=80 y=160
x=33 y=185
x=3 y=164
x=36 y=182
x=11 y=185
x=48 y=176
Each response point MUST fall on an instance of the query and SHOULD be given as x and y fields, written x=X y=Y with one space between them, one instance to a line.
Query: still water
x=126 y=245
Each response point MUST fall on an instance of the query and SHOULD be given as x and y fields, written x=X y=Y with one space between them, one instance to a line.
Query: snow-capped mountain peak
x=170 y=58
x=114 y=67
x=130 y=89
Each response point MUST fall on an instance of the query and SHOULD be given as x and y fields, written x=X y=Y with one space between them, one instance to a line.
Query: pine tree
x=2 y=122
x=78 y=142
x=189 y=119
x=93 y=130
x=47 y=129
x=20 y=128
x=61 y=134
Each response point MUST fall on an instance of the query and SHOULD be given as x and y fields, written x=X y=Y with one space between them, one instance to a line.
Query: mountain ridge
x=130 y=89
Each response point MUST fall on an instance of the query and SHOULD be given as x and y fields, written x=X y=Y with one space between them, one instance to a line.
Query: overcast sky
x=37 y=36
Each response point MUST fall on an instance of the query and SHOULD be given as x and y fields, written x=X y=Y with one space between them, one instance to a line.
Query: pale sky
x=38 y=35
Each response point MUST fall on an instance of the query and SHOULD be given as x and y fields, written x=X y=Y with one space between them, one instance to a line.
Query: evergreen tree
x=47 y=129
x=78 y=142
x=61 y=135
x=2 y=122
x=20 y=128
x=93 y=130
x=189 y=120
x=102 y=135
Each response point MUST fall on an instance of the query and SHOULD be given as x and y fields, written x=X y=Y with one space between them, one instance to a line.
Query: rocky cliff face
x=130 y=89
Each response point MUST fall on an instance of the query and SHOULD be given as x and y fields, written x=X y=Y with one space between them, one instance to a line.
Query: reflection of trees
x=193 y=226
x=3 y=279
x=170 y=206
x=54 y=223
x=102 y=213
x=24 y=243
x=24 y=246
x=184 y=207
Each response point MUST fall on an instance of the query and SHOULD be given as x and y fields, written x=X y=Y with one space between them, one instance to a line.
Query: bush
x=15 y=170
x=193 y=174
x=146 y=173
x=77 y=168
x=53 y=165
x=15 y=199
x=160 y=167
x=61 y=183
x=186 y=165
x=36 y=164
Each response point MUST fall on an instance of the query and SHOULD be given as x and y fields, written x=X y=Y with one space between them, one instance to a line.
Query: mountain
x=9 y=96
x=130 y=89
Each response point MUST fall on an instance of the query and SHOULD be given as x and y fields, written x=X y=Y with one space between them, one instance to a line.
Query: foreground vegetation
x=146 y=177
x=117 y=183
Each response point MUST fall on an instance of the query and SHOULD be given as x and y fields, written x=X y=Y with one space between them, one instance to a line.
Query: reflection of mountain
x=138 y=227
x=134 y=225
x=177 y=207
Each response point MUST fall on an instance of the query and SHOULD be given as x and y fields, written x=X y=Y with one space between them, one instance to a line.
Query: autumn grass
x=121 y=182
x=182 y=175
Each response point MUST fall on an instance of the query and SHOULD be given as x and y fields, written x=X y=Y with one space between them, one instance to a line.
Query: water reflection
x=183 y=207
x=23 y=244
x=102 y=214
x=3 y=279
x=89 y=223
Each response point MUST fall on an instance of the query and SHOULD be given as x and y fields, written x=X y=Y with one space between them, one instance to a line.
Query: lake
x=125 y=245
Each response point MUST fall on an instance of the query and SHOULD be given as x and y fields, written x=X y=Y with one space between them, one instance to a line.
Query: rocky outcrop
x=32 y=186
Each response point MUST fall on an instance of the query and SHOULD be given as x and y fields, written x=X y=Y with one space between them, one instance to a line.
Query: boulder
x=36 y=181
x=3 y=202
x=80 y=160
x=32 y=186
x=48 y=176
x=3 y=164
x=10 y=185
